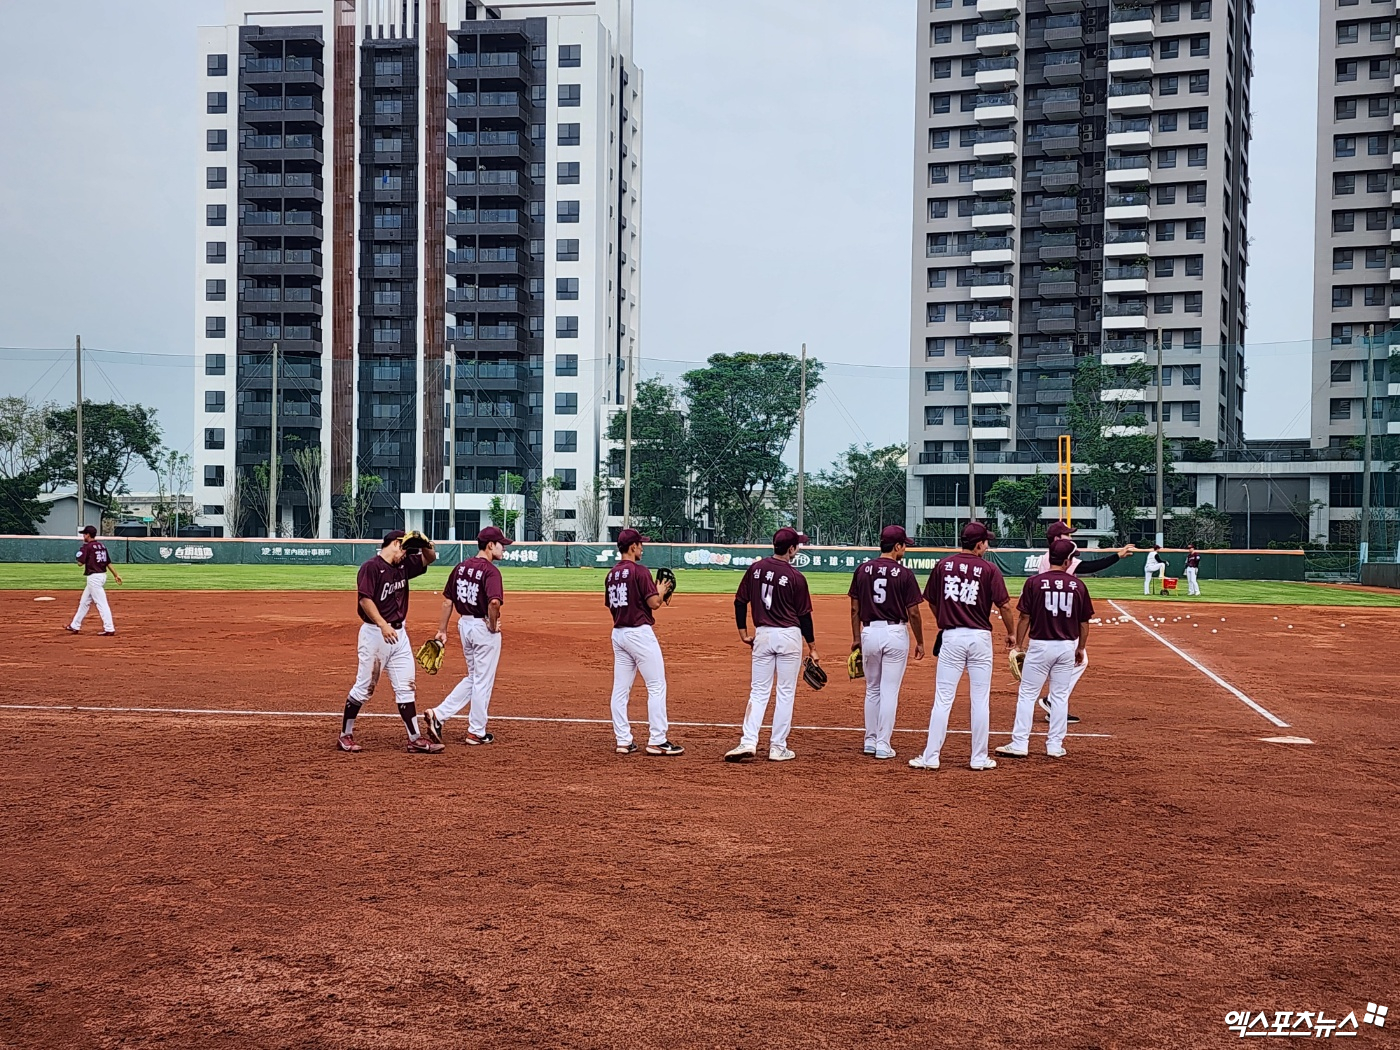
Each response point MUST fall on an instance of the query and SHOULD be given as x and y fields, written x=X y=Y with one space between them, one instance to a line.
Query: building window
x=1376 y=258
x=213 y=508
x=1190 y=411
x=1170 y=12
x=1343 y=145
x=1345 y=109
x=1166 y=231
x=935 y=347
x=1341 y=259
x=567 y=211
x=939 y=138
x=1341 y=297
x=1375 y=294
x=215 y=364
x=1376 y=181
x=216 y=140
x=1378 y=106
x=568 y=173
x=1376 y=219
x=935 y=382
x=1343 y=221
x=1200 y=10
x=1166 y=158
x=213 y=400
x=1339 y=409
x=1200 y=47
x=570 y=95
x=213 y=477
x=216 y=215
x=566 y=250
x=566 y=288
x=1169 y=49
x=569 y=134
x=1195 y=265
x=937 y=312
x=937 y=209
x=215 y=291
x=940 y=104
x=1344 y=185
x=933 y=415
x=1163 y=304
x=1377 y=145
x=566 y=327
x=216 y=178
x=942 y=69
x=1195 y=229
x=1166 y=194
x=1378 y=69
x=1168 y=85
x=568 y=478
x=566 y=441
x=943 y=34
x=1165 y=267
x=1346 y=70
x=213 y=438
x=570 y=55
x=1192 y=302
x=1166 y=122
x=1341 y=371
x=566 y=365
x=959 y=416
x=1348 y=32
x=215 y=252
x=215 y=327
x=218 y=65
x=1380 y=30
x=216 y=102
x=1199 y=120
x=937 y=173
x=1198 y=83
x=565 y=404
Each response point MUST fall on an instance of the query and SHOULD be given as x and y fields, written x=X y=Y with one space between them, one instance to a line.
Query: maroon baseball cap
x=1062 y=550
x=627 y=537
x=1056 y=529
x=390 y=537
x=894 y=534
x=786 y=537
x=974 y=532
x=491 y=534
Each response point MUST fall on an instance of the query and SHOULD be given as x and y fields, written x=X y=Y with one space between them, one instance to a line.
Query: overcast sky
x=778 y=188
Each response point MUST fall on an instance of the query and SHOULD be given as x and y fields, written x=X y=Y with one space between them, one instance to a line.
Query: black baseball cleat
x=665 y=748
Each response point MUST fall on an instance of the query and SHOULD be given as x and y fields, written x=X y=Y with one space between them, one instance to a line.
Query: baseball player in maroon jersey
x=474 y=588
x=632 y=597
x=885 y=602
x=1193 y=570
x=96 y=563
x=1055 y=608
x=1077 y=566
x=383 y=643
x=962 y=591
x=782 y=621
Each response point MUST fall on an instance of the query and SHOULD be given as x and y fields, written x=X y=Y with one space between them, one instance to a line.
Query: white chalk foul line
x=1257 y=708
x=93 y=709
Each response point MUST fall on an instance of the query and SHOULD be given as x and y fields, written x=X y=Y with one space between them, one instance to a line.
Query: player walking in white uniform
x=96 y=563
x=782 y=621
x=475 y=589
x=885 y=602
x=383 y=645
x=632 y=597
x=1054 y=615
x=962 y=590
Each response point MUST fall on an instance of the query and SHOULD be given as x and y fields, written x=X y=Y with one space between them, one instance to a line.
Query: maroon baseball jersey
x=962 y=591
x=884 y=590
x=776 y=592
x=1057 y=604
x=93 y=557
x=626 y=591
x=1193 y=560
x=387 y=585
x=472 y=586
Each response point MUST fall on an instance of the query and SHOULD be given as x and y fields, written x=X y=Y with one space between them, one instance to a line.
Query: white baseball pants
x=777 y=653
x=376 y=656
x=635 y=649
x=482 y=651
x=1075 y=674
x=1053 y=661
x=964 y=649
x=95 y=593
x=884 y=651
x=1192 y=587
x=1147 y=578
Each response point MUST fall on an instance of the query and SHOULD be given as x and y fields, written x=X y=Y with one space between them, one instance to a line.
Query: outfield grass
x=41 y=577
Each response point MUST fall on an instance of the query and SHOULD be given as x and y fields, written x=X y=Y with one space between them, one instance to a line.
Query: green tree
x=1204 y=526
x=20 y=508
x=355 y=504
x=858 y=495
x=660 y=464
x=502 y=518
x=743 y=412
x=1104 y=411
x=1021 y=502
x=547 y=506
x=114 y=438
x=25 y=439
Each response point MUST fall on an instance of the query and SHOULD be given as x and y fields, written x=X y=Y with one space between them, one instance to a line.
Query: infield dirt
x=231 y=881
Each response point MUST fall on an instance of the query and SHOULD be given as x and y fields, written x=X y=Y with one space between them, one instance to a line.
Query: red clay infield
x=231 y=881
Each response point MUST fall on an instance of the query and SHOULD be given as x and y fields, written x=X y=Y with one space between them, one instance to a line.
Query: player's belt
x=892 y=623
x=396 y=625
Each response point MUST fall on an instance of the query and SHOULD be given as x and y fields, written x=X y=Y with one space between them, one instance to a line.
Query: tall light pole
x=801 y=438
x=1157 y=338
x=1367 y=368
x=78 y=426
x=272 y=463
x=627 y=446
x=452 y=446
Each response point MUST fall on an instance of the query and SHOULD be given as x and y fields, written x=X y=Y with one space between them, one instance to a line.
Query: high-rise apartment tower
x=387 y=186
x=1081 y=179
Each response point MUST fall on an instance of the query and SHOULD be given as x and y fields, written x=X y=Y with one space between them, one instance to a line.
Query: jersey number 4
x=1060 y=603
x=766 y=591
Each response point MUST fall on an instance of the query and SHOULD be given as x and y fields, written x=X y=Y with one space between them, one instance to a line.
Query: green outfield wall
x=1215 y=565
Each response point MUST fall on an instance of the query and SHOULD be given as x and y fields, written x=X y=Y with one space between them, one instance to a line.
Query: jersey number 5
x=879 y=588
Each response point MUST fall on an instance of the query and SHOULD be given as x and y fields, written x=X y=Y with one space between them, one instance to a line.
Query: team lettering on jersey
x=1059 y=600
x=962 y=590
x=391 y=588
x=617 y=592
x=469 y=586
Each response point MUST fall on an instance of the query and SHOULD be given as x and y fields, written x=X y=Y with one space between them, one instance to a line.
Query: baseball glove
x=855 y=665
x=1018 y=660
x=813 y=674
x=665 y=575
x=429 y=655
x=416 y=541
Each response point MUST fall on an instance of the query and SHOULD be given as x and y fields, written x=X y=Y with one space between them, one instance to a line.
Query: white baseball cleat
x=920 y=762
x=1011 y=751
x=1055 y=752
x=738 y=754
x=780 y=754
x=986 y=763
x=884 y=752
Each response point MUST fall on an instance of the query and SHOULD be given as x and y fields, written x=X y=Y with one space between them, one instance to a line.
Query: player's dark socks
x=409 y=714
x=347 y=721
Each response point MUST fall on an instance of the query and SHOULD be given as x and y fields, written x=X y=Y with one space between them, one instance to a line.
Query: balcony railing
x=994 y=171
x=991 y=313
x=1125 y=237
x=1054 y=131
x=989 y=244
x=1063 y=58
x=1129 y=51
x=990 y=280
x=1120 y=88
x=1118 y=126
x=1131 y=14
x=1005 y=98
x=1062 y=312
x=1059 y=204
x=1125 y=273
x=1069 y=21
x=995 y=135
x=988 y=65
x=990 y=386
x=993 y=208
x=1127 y=200
x=1053 y=240
x=1005 y=25
x=1062 y=94
x=468 y=60
x=990 y=422
x=1131 y=161
x=1125 y=310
